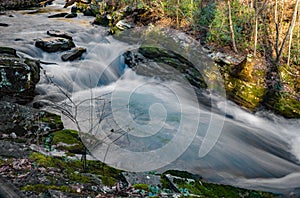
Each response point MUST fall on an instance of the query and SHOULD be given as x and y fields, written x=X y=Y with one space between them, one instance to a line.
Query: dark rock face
x=59 y=15
x=18 y=4
x=24 y=121
x=54 y=44
x=18 y=76
x=13 y=149
x=76 y=53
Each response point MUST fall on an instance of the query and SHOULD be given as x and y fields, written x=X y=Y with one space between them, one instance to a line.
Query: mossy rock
x=53 y=121
x=286 y=99
x=283 y=104
x=246 y=94
x=70 y=139
x=172 y=62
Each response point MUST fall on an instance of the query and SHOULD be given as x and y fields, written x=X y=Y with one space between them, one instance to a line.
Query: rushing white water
x=165 y=124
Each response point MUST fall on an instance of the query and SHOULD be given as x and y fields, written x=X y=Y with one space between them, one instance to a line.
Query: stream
x=156 y=122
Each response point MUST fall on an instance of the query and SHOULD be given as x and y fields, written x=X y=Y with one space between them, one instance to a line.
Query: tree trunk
x=255 y=29
x=291 y=27
x=177 y=13
x=231 y=27
x=293 y=22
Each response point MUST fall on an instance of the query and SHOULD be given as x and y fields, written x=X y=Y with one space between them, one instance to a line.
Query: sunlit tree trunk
x=258 y=10
x=177 y=13
x=298 y=35
x=231 y=27
x=255 y=29
x=292 y=25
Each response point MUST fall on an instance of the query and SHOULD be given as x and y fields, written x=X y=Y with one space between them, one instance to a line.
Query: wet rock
x=103 y=20
x=76 y=53
x=74 y=9
x=23 y=120
x=7 y=51
x=54 y=44
x=165 y=63
x=122 y=25
x=18 y=76
x=71 y=15
x=4 y=25
x=59 y=15
x=57 y=33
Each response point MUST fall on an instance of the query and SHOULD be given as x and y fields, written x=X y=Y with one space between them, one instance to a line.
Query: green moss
x=73 y=168
x=246 y=94
x=46 y=161
x=109 y=175
x=65 y=136
x=70 y=138
x=285 y=105
x=286 y=100
x=53 y=120
x=141 y=186
x=80 y=178
x=43 y=188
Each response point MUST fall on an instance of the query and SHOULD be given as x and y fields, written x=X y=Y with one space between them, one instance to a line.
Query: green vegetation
x=43 y=188
x=70 y=139
x=144 y=187
x=209 y=190
x=215 y=191
x=73 y=168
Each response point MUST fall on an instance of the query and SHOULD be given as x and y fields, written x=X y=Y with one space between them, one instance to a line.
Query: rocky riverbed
x=43 y=159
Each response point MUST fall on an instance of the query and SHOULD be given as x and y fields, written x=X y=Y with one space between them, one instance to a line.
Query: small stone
x=13 y=135
x=59 y=15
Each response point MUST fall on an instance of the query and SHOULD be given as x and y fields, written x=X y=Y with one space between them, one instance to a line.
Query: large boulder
x=18 y=76
x=54 y=44
x=153 y=61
